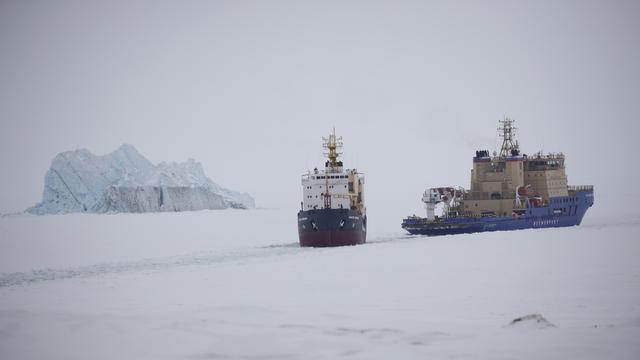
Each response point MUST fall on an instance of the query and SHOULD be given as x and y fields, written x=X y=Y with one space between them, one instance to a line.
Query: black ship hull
x=331 y=227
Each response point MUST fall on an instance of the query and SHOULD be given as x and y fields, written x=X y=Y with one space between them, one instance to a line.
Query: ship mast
x=507 y=132
x=332 y=144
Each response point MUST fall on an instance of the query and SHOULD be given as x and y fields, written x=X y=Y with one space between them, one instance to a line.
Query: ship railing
x=540 y=155
x=582 y=188
x=481 y=195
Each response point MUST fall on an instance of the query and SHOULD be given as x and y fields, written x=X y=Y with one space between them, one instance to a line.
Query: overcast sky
x=248 y=88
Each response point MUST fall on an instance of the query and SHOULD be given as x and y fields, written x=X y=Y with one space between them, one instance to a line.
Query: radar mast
x=507 y=132
x=333 y=144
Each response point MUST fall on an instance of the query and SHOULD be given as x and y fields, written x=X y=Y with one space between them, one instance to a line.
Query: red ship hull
x=329 y=238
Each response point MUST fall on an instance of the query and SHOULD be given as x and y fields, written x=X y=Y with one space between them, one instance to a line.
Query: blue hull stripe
x=562 y=211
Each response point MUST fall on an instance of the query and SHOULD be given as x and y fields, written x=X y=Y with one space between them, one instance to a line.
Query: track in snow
x=196 y=259
x=48 y=274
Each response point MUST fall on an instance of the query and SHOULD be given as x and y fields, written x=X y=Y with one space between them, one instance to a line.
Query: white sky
x=248 y=88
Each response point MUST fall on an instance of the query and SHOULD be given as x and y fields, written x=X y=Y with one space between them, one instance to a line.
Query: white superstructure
x=334 y=187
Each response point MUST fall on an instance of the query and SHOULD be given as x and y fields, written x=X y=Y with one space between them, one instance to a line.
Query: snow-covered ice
x=231 y=284
x=125 y=181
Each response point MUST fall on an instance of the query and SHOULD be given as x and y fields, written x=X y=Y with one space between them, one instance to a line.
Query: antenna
x=507 y=132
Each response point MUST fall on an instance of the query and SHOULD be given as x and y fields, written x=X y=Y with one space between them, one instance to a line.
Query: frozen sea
x=233 y=284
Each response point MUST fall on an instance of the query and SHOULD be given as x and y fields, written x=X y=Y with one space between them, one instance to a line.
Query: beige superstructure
x=497 y=180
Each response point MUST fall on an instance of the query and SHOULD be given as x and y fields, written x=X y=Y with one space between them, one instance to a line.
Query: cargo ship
x=509 y=191
x=332 y=209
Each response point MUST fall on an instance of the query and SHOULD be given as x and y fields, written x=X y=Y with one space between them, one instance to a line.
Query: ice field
x=233 y=284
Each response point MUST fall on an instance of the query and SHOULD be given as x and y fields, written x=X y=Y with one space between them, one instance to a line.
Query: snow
x=125 y=181
x=232 y=284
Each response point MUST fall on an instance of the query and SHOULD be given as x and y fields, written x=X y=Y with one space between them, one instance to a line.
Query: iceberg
x=125 y=181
